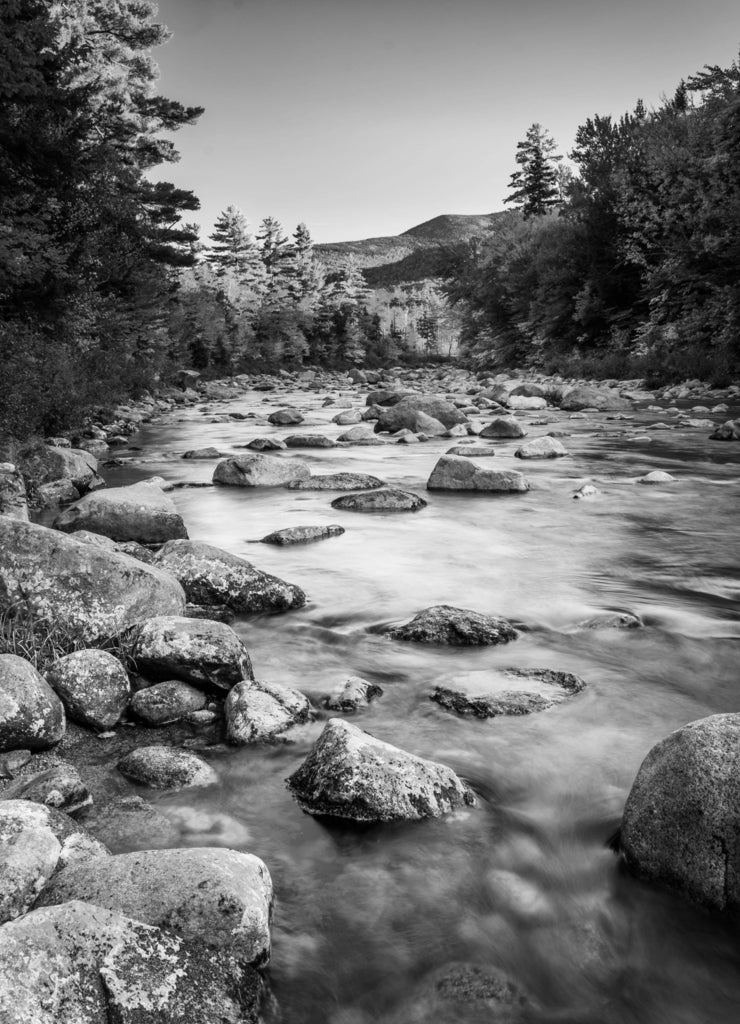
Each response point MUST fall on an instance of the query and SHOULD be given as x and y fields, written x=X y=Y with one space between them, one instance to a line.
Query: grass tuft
x=42 y=642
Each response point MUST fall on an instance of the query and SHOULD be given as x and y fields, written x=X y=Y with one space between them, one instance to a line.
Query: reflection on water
x=523 y=881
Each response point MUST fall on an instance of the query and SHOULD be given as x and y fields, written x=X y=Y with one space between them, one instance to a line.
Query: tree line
x=627 y=263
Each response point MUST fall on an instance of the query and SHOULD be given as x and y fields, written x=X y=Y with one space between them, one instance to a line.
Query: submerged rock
x=255 y=470
x=336 y=482
x=512 y=702
x=387 y=499
x=93 y=686
x=265 y=444
x=259 y=712
x=31 y=714
x=141 y=512
x=351 y=774
x=456 y=473
x=302 y=534
x=443 y=624
x=469 y=993
x=197 y=651
x=166 y=768
x=611 y=620
x=657 y=476
x=353 y=694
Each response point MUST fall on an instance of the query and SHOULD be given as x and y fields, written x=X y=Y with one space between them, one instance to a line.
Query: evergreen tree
x=534 y=188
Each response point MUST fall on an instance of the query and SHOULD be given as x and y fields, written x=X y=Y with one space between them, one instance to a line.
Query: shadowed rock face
x=459 y=627
x=351 y=774
x=31 y=714
x=141 y=512
x=680 y=824
x=603 y=399
x=198 y=651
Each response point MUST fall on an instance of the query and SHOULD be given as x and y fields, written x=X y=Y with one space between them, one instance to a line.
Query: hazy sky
x=366 y=117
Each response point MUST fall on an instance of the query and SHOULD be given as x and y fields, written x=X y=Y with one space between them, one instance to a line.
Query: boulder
x=285 y=417
x=602 y=399
x=211 y=576
x=167 y=702
x=528 y=391
x=93 y=686
x=347 y=418
x=31 y=714
x=727 y=431
x=525 y=402
x=12 y=492
x=557 y=686
x=198 y=651
x=542 y=448
x=202 y=453
x=657 y=476
x=255 y=470
x=219 y=897
x=131 y=823
x=166 y=768
x=420 y=413
x=309 y=441
x=80 y=964
x=82 y=589
x=472 y=451
x=303 y=534
x=503 y=426
x=387 y=499
x=359 y=434
x=140 y=512
x=265 y=444
x=59 y=787
x=336 y=482
x=586 y=491
x=680 y=823
x=259 y=712
x=351 y=774
x=458 y=627
x=457 y=473
x=353 y=694
x=41 y=464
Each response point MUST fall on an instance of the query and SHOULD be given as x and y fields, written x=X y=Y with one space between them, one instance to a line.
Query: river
x=523 y=881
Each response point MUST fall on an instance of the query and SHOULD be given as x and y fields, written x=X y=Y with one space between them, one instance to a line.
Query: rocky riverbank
x=125 y=675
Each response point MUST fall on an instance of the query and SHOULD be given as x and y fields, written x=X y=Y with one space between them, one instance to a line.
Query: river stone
x=211 y=576
x=611 y=620
x=529 y=390
x=255 y=470
x=386 y=397
x=202 y=453
x=41 y=464
x=264 y=444
x=302 y=534
x=60 y=787
x=351 y=774
x=727 y=431
x=458 y=627
x=542 y=448
x=141 y=512
x=457 y=473
x=197 y=651
x=258 y=712
x=503 y=426
x=284 y=417
x=309 y=441
x=587 y=491
x=336 y=482
x=466 y=993
x=413 y=411
x=31 y=714
x=525 y=402
x=131 y=823
x=601 y=399
x=218 y=896
x=167 y=702
x=166 y=768
x=657 y=476
x=12 y=492
x=353 y=694
x=511 y=702
x=472 y=451
x=347 y=418
x=81 y=964
x=93 y=686
x=680 y=823
x=359 y=435
x=387 y=499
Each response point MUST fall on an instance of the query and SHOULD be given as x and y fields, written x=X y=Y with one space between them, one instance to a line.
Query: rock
x=680 y=823
x=503 y=426
x=31 y=714
x=166 y=768
x=529 y=390
x=140 y=512
x=167 y=702
x=525 y=402
x=336 y=482
x=472 y=451
x=93 y=686
x=266 y=444
x=131 y=823
x=387 y=499
x=197 y=651
x=12 y=492
x=459 y=627
x=81 y=964
x=285 y=417
x=657 y=477
x=457 y=473
x=466 y=993
x=309 y=441
x=56 y=493
x=611 y=620
x=211 y=576
x=351 y=774
x=302 y=534
x=258 y=712
x=512 y=702
x=41 y=464
x=409 y=438
x=346 y=418
x=414 y=412
x=355 y=693
x=601 y=399
x=385 y=397
x=255 y=470
x=202 y=453
x=219 y=897
x=542 y=448
x=60 y=787
x=359 y=434
x=587 y=491
x=728 y=431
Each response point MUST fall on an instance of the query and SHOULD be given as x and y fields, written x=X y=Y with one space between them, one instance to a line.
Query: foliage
x=535 y=188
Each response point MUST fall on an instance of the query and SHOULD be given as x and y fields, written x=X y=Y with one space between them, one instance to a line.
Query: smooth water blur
x=524 y=880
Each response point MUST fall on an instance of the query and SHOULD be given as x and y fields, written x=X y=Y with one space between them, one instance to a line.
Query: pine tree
x=534 y=188
x=233 y=253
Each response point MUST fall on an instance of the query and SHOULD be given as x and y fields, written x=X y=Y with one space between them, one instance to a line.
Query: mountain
x=412 y=255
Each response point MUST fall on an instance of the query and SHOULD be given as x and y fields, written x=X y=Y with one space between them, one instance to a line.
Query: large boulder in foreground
x=140 y=512
x=31 y=714
x=198 y=651
x=211 y=576
x=602 y=399
x=81 y=588
x=681 y=821
x=457 y=627
x=43 y=464
x=351 y=774
x=218 y=896
x=255 y=470
x=81 y=964
x=457 y=473
x=410 y=413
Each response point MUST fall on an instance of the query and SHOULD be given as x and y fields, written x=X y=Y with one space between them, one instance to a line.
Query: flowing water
x=524 y=880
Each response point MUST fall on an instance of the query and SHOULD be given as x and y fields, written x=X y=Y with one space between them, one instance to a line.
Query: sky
x=363 y=118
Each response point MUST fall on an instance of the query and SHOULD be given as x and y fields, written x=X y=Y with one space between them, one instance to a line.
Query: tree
x=534 y=188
